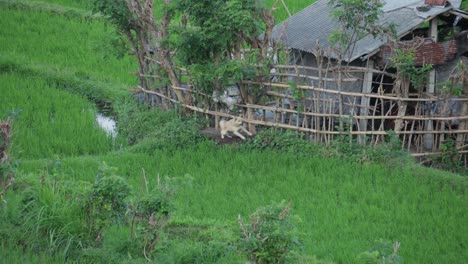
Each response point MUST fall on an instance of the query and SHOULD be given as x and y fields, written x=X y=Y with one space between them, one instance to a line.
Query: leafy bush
x=106 y=203
x=49 y=215
x=177 y=134
x=117 y=12
x=270 y=235
x=383 y=252
x=136 y=121
x=450 y=159
x=288 y=141
x=388 y=153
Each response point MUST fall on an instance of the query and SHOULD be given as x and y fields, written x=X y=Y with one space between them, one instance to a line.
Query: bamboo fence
x=428 y=123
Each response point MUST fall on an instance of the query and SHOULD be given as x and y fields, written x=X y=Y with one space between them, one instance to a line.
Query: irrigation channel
x=108 y=124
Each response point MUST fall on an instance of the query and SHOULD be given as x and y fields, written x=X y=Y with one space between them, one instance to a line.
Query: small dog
x=233 y=125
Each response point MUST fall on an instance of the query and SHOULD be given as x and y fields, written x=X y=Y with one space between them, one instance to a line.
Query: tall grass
x=344 y=207
x=48 y=121
x=83 y=4
x=88 y=48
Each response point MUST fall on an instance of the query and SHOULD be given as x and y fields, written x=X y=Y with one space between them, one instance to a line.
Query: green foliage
x=106 y=203
x=283 y=141
x=152 y=129
x=450 y=159
x=448 y=88
x=404 y=61
x=210 y=77
x=345 y=144
x=136 y=121
x=357 y=19
x=210 y=39
x=172 y=136
x=298 y=94
x=117 y=11
x=270 y=235
x=454 y=86
x=214 y=26
x=389 y=153
x=464 y=5
x=49 y=218
x=383 y=252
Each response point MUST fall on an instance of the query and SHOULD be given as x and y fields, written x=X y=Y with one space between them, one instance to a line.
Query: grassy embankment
x=344 y=206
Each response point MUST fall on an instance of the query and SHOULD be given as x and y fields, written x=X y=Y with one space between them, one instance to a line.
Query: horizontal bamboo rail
x=312 y=77
x=416 y=155
x=369 y=95
x=344 y=69
x=285 y=110
x=291 y=127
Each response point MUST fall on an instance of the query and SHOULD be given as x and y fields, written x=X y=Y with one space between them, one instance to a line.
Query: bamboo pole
x=331 y=69
x=311 y=77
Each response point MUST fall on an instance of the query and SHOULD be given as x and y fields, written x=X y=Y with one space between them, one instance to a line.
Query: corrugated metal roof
x=314 y=24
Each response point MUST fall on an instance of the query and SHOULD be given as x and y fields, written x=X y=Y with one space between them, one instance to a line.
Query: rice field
x=344 y=207
x=293 y=6
x=49 y=122
x=85 y=48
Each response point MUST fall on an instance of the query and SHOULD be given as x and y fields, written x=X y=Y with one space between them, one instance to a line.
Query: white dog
x=233 y=125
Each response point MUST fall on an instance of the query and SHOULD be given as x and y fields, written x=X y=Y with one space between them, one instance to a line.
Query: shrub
x=174 y=135
x=106 y=203
x=270 y=235
x=49 y=215
x=136 y=121
x=288 y=141
x=388 y=153
x=383 y=252
x=450 y=159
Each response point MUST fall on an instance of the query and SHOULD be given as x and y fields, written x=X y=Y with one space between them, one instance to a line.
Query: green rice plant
x=10 y=253
x=48 y=121
x=344 y=206
x=293 y=6
x=83 y=4
x=102 y=94
x=63 y=9
x=88 y=49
